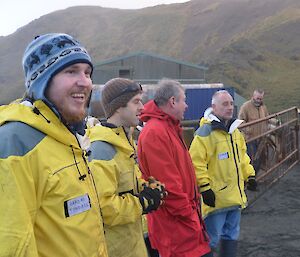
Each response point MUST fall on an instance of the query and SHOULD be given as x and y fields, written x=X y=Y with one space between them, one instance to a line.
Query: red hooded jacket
x=176 y=229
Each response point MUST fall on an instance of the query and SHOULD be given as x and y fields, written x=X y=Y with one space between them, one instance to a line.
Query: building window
x=124 y=73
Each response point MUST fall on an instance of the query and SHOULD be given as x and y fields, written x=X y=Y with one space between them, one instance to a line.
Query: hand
x=153 y=183
x=150 y=199
x=251 y=184
x=209 y=198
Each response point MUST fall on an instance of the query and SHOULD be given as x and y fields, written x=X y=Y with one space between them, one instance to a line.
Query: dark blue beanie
x=47 y=55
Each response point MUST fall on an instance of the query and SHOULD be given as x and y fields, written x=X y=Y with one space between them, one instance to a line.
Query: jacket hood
x=39 y=116
x=151 y=110
x=115 y=136
x=209 y=117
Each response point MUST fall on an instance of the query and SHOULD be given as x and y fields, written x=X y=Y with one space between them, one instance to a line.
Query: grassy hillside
x=245 y=43
x=267 y=56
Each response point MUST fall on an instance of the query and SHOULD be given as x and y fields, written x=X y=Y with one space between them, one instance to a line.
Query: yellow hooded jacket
x=221 y=163
x=48 y=200
x=113 y=162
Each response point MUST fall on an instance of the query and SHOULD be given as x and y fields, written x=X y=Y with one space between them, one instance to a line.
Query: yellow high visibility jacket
x=113 y=162
x=48 y=201
x=221 y=163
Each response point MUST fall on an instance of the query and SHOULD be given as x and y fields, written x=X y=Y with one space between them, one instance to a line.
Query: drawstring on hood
x=81 y=176
x=34 y=109
x=37 y=111
x=77 y=129
x=38 y=115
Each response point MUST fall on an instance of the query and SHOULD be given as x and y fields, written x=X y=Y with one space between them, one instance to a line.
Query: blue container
x=199 y=99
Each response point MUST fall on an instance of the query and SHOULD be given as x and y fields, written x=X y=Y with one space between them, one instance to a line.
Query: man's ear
x=172 y=101
x=213 y=107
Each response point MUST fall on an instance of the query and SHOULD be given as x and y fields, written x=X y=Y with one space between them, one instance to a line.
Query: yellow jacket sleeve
x=117 y=207
x=200 y=156
x=16 y=229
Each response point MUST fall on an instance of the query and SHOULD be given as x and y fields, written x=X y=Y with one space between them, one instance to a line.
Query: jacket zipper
x=238 y=154
x=83 y=153
x=237 y=169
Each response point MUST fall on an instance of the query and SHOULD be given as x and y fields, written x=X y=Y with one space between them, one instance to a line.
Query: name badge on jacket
x=77 y=205
x=223 y=156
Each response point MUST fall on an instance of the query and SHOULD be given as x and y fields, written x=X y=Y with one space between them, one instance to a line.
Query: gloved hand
x=209 y=198
x=153 y=183
x=251 y=184
x=150 y=199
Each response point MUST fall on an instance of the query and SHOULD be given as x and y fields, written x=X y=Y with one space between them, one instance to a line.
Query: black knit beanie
x=117 y=93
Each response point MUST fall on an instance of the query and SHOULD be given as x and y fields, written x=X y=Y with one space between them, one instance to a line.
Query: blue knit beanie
x=47 y=55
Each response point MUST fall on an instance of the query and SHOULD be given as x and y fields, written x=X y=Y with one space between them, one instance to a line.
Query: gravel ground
x=271 y=226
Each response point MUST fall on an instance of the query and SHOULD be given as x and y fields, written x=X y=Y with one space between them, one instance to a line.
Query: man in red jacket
x=176 y=229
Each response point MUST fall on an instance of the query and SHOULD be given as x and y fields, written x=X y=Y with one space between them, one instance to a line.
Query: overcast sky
x=17 y=13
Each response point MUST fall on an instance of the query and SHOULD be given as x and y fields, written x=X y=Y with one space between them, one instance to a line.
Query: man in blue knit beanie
x=47 y=56
x=48 y=203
